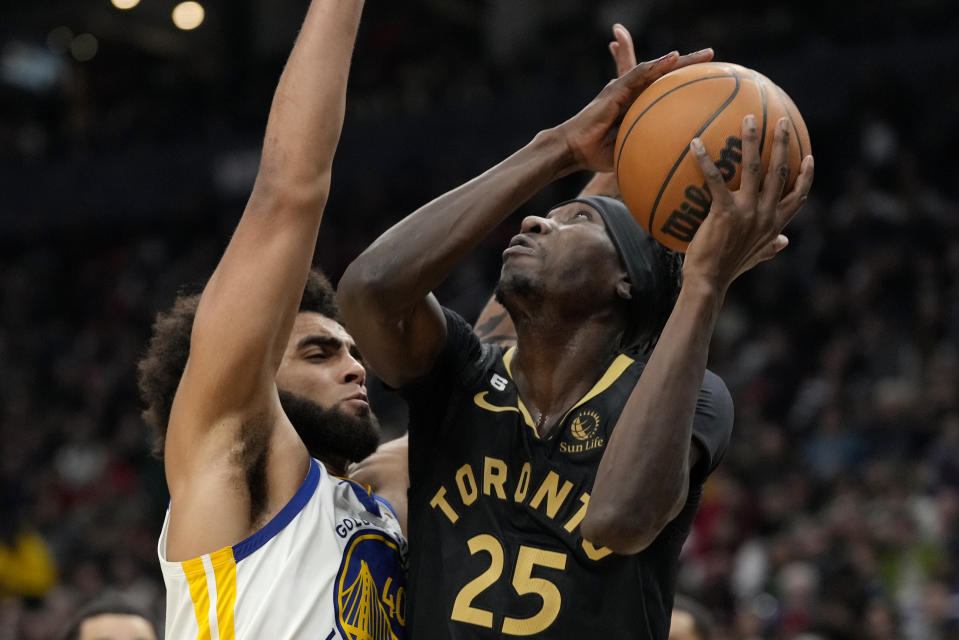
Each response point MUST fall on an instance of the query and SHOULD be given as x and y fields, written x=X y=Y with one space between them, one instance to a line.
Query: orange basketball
x=659 y=178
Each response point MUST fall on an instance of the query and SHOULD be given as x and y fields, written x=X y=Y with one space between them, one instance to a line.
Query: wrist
x=703 y=290
x=555 y=146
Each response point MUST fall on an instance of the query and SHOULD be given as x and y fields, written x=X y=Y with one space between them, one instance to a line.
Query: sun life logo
x=584 y=425
x=585 y=434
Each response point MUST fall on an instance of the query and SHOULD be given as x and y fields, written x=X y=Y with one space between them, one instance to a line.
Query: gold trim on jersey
x=224 y=573
x=224 y=591
x=613 y=372
x=200 y=595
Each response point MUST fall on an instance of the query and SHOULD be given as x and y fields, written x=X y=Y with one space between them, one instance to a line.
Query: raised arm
x=643 y=478
x=384 y=294
x=226 y=418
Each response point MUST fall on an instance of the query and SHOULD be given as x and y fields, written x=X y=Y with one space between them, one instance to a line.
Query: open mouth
x=519 y=245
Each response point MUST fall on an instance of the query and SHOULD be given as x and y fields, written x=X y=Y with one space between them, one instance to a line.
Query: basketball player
x=316 y=380
x=260 y=541
x=553 y=485
x=493 y=323
x=386 y=470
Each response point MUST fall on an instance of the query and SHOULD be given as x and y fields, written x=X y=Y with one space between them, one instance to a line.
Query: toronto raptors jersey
x=494 y=509
x=330 y=564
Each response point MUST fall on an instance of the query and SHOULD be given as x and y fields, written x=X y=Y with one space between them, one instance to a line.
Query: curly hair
x=161 y=367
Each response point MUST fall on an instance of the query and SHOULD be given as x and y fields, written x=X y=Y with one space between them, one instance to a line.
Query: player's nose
x=536 y=224
x=354 y=371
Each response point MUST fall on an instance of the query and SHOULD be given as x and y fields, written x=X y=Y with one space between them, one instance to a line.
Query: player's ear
x=623 y=287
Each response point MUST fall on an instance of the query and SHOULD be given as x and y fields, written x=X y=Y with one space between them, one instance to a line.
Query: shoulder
x=714 y=398
x=464 y=358
x=712 y=422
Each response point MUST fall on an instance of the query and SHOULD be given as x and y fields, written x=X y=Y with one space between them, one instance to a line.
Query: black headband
x=647 y=278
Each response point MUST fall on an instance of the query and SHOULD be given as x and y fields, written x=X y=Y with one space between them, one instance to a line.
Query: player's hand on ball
x=590 y=135
x=745 y=227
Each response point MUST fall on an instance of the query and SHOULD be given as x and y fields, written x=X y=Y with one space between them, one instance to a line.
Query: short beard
x=331 y=435
x=516 y=293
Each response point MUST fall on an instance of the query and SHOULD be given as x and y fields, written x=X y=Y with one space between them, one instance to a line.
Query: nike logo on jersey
x=480 y=400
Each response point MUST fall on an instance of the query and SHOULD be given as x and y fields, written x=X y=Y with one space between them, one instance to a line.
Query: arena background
x=128 y=147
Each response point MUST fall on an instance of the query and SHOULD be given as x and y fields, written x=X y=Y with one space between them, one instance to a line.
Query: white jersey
x=331 y=564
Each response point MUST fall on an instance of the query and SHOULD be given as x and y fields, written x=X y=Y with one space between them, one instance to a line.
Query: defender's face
x=322 y=364
x=568 y=251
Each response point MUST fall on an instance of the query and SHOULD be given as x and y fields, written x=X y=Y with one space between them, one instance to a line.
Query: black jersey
x=494 y=509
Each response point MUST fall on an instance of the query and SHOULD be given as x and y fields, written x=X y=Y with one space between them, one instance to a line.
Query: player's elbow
x=622 y=535
x=626 y=529
x=365 y=286
x=287 y=193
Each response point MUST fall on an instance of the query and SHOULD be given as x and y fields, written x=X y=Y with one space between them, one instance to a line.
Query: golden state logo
x=584 y=428
x=371 y=589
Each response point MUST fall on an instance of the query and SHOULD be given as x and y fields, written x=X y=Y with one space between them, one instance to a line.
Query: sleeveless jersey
x=330 y=564
x=494 y=509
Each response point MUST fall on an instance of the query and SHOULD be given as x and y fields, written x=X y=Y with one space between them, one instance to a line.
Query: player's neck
x=338 y=467
x=555 y=366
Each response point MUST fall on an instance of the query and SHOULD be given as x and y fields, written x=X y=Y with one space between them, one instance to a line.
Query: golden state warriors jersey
x=330 y=565
x=495 y=509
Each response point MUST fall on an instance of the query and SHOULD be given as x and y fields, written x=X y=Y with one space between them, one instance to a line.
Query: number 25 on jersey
x=523 y=582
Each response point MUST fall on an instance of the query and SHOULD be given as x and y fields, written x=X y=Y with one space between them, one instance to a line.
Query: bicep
x=200 y=429
x=400 y=350
x=247 y=308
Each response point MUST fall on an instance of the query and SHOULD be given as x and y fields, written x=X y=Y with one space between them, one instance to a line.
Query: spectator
x=111 y=618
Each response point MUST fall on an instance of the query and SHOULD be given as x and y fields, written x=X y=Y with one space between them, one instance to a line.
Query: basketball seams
x=654 y=102
x=682 y=155
x=660 y=173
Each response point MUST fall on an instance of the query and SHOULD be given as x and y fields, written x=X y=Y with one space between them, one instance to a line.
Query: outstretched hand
x=745 y=227
x=591 y=134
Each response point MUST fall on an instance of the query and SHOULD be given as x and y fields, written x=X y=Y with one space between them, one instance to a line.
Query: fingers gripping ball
x=660 y=181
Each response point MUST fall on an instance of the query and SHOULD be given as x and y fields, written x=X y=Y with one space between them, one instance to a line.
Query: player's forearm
x=267 y=260
x=307 y=112
x=419 y=252
x=643 y=478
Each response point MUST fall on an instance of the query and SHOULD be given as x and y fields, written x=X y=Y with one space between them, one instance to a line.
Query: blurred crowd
x=835 y=515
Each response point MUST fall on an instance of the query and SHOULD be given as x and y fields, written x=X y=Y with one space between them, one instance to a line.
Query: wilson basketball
x=658 y=176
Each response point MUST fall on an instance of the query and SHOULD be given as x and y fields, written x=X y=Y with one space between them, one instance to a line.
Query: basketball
x=659 y=178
